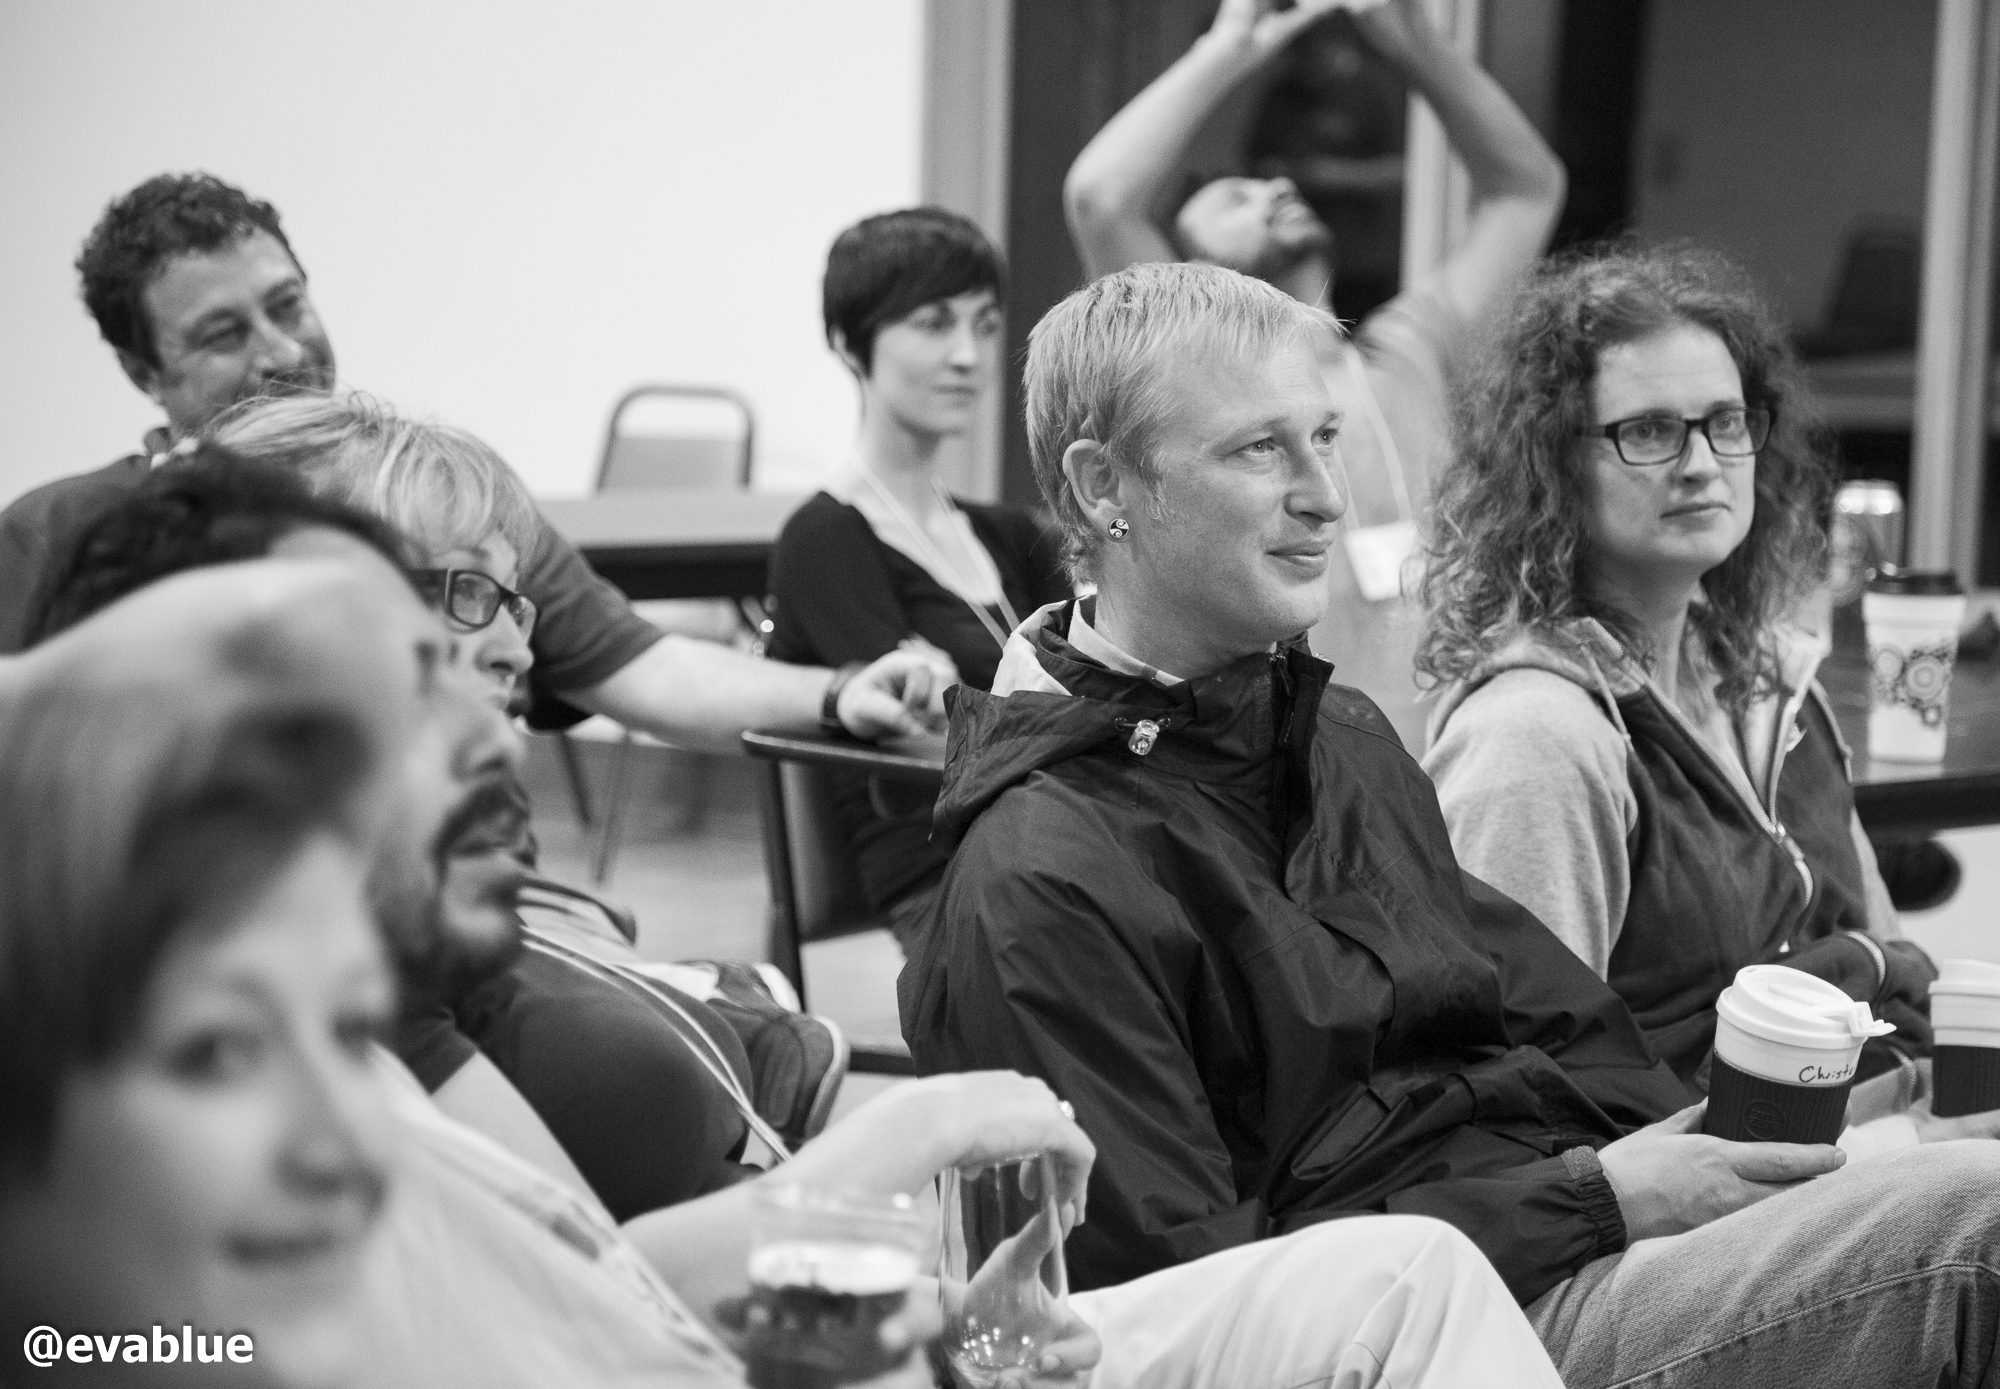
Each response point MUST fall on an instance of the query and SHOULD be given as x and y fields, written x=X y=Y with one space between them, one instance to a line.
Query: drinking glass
x=1001 y=1277
x=826 y=1269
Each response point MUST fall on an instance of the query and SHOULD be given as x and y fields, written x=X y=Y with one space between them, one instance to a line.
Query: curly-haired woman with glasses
x=1629 y=738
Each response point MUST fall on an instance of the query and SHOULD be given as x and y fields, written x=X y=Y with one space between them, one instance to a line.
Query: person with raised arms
x=1390 y=375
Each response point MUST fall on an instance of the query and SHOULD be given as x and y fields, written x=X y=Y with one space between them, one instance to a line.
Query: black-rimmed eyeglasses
x=472 y=599
x=1645 y=441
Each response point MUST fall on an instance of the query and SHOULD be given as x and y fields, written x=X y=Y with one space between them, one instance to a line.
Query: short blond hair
x=442 y=487
x=1097 y=368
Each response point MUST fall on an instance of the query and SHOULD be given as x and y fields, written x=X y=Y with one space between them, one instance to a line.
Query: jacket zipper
x=1145 y=732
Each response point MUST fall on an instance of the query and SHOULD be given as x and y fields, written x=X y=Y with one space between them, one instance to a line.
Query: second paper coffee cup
x=1786 y=1047
x=1965 y=1026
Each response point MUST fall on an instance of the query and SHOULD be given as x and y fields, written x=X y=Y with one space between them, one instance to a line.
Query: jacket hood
x=1580 y=651
x=1584 y=652
x=1050 y=703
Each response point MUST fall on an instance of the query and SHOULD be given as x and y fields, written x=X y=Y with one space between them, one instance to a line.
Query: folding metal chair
x=665 y=437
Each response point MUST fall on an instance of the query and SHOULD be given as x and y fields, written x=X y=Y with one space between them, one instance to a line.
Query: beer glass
x=1001 y=1277
x=826 y=1269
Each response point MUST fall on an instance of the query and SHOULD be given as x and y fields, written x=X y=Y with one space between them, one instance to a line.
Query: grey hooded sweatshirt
x=1666 y=856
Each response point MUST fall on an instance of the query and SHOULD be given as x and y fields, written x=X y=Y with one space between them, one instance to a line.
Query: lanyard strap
x=1372 y=408
x=946 y=572
x=704 y=1047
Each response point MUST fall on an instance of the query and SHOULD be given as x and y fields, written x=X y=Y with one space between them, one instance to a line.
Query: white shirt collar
x=1092 y=643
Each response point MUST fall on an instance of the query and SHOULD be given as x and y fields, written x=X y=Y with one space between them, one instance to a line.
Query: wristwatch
x=829 y=704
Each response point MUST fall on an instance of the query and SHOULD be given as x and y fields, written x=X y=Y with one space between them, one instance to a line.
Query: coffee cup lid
x=1976 y=977
x=1915 y=583
x=1782 y=1004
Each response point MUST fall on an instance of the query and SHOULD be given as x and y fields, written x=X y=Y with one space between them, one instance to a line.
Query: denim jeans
x=1885 y=1273
x=1375 y=1302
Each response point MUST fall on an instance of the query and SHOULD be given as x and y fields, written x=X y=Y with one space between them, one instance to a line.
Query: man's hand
x=1670 y=1177
x=1397 y=28
x=902 y=1138
x=901 y=695
x=1260 y=26
x=1008 y=1291
x=984 y=1116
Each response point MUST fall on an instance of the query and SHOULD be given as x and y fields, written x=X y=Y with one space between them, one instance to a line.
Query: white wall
x=510 y=211
x=1768 y=127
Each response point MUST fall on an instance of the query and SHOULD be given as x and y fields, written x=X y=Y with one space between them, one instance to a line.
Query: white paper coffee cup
x=1965 y=1004
x=1965 y=1037
x=1912 y=619
x=1786 y=1048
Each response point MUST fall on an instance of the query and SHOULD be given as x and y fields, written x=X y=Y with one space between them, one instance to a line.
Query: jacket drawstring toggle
x=1144 y=734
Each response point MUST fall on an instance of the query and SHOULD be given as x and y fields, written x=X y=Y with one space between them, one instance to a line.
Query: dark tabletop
x=1908 y=799
x=691 y=543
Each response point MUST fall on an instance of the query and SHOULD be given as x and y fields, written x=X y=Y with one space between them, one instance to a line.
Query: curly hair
x=166 y=216
x=1507 y=540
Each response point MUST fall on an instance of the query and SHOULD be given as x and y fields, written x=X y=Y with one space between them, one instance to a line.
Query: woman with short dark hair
x=885 y=556
x=1630 y=740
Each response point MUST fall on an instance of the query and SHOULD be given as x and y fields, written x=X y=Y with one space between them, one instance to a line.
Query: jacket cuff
x=1600 y=1202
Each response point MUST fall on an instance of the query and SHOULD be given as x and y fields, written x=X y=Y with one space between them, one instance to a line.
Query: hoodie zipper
x=1767 y=818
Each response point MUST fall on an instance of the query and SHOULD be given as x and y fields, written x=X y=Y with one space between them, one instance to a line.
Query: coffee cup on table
x=1786 y=1048
x=1912 y=617
x=1965 y=1031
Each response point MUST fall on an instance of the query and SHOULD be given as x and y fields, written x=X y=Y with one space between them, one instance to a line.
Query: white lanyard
x=1372 y=408
x=946 y=572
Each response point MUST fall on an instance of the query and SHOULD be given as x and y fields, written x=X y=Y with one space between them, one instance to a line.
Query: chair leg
x=782 y=938
x=614 y=811
x=579 y=788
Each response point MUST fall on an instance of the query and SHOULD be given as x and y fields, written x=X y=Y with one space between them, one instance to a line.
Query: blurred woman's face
x=1654 y=530
x=225 y=1169
x=497 y=655
x=928 y=365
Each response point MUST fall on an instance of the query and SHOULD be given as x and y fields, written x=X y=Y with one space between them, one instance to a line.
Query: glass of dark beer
x=1002 y=1282
x=827 y=1268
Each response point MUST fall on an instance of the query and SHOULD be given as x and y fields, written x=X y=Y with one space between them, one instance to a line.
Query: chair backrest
x=815 y=891
x=678 y=437
x=826 y=889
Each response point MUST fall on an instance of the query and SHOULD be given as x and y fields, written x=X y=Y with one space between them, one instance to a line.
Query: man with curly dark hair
x=196 y=289
x=1629 y=739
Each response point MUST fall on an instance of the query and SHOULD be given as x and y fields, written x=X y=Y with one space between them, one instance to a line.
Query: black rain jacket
x=1248 y=957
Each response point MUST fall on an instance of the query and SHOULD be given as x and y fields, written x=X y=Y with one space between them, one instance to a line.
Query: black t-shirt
x=842 y=594
x=40 y=529
x=636 y=1110
x=430 y=1044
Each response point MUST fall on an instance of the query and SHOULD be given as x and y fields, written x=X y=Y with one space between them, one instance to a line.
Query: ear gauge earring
x=1119 y=528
